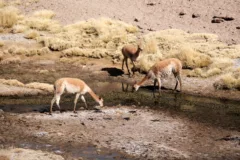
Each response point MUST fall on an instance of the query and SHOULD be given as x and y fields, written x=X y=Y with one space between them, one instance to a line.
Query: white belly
x=71 y=88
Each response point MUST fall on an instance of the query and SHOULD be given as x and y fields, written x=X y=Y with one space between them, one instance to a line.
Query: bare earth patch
x=141 y=133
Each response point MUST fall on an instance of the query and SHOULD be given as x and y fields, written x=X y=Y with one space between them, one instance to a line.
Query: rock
x=238 y=27
x=136 y=20
x=40 y=134
x=226 y=18
x=151 y=4
x=195 y=15
x=126 y=116
x=182 y=13
x=217 y=20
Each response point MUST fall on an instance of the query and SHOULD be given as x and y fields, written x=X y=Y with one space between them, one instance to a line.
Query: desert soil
x=127 y=127
x=152 y=15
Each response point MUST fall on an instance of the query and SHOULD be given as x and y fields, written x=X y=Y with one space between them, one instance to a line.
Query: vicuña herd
x=161 y=69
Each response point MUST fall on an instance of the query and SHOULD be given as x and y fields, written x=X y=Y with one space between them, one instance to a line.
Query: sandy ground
x=135 y=132
x=141 y=133
x=152 y=15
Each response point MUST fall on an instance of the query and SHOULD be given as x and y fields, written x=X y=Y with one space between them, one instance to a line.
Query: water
x=68 y=151
x=210 y=111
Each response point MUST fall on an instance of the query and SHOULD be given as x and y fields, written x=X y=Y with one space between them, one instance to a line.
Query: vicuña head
x=73 y=85
x=100 y=101
x=136 y=86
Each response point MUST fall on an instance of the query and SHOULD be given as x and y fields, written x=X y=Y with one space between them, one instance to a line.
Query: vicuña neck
x=94 y=96
x=142 y=81
x=138 y=51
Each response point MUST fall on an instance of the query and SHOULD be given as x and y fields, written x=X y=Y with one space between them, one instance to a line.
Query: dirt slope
x=151 y=15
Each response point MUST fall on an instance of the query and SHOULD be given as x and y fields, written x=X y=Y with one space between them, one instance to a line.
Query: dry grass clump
x=8 y=16
x=222 y=63
x=1 y=56
x=41 y=24
x=11 y=82
x=13 y=50
x=33 y=85
x=150 y=46
x=40 y=20
x=23 y=154
x=16 y=2
x=41 y=86
x=199 y=51
x=19 y=28
x=192 y=59
x=92 y=53
x=204 y=73
x=2 y=3
x=1 y=43
x=56 y=44
x=95 y=33
x=32 y=34
x=43 y=71
x=229 y=81
x=11 y=60
x=146 y=61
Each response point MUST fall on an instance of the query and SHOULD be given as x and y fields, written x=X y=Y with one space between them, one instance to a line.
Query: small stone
x=217 y=20
x=182 y=13
x=136 y=20
x=195 y=15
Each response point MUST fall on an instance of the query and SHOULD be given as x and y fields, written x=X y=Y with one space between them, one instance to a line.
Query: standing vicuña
x=131 y=52
x=163 y=69
x=73 y=85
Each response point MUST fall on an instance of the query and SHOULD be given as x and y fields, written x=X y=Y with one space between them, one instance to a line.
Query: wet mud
x=131 y=125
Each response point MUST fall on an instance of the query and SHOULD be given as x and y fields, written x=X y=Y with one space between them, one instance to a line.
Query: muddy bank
x=132 y=125
x=47 y=71
x=142 y=133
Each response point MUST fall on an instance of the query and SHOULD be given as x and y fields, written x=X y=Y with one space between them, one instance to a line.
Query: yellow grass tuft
x=23 y=154
x=43 y=71
x=8 y=16
x=2 y=3
x=32 y=34
x=13 y=50
x=42 y=24
x=1 y=43
x=19 y=28
x=204 y=73
x=150 y=46
x=16 y=2
x=145 y=62
x=192 y=59
x=11 y=82
x=1 y=56
x=41 y=86
x=229 y=81
x=92 y=53
x=222 y=63
x=11 y=60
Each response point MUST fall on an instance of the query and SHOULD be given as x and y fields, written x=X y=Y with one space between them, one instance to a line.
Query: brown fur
x=161 y=70
x=132 y=53
x=74 y=81
x=73 y=85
